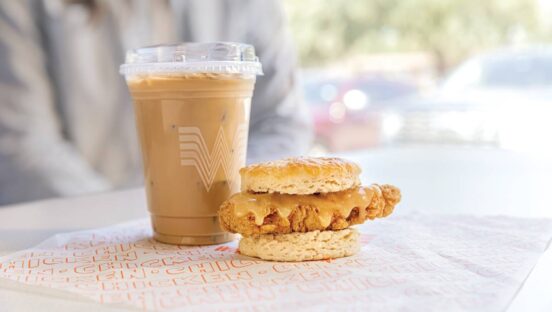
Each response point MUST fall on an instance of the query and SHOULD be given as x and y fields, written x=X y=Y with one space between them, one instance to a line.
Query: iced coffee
x=192 y=118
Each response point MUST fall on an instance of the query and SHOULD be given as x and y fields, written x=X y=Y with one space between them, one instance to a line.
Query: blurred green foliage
x=450 y=30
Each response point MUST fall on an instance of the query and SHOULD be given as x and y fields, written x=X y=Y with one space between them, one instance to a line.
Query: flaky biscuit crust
x=300 y=175
x=305 y=218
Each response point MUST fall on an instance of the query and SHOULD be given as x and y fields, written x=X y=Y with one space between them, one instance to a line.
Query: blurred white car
x=499 y=99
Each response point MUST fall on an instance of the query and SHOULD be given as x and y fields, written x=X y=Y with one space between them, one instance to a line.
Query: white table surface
x=440 y=180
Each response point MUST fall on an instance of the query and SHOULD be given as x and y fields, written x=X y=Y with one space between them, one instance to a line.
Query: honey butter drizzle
x=328 y=204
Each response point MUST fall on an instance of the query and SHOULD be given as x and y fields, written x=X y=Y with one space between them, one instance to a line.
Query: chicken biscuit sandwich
x=301 y=209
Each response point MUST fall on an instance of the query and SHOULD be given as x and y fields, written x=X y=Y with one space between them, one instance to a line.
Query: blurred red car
x=345 y=111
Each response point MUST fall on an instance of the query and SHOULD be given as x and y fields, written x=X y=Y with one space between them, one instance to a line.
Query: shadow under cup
x=193 y=128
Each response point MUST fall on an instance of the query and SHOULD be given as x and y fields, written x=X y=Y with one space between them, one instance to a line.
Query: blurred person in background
x=66 y=119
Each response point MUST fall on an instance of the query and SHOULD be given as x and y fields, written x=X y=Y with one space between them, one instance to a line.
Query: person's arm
x=35 y=160
x=280 y=124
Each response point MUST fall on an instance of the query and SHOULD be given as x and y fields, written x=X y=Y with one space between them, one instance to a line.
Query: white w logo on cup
x=194 y=152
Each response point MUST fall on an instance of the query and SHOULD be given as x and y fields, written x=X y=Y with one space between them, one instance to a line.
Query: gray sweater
x=66 y=118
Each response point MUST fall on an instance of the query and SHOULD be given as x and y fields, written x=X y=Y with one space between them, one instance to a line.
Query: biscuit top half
x=300 y=175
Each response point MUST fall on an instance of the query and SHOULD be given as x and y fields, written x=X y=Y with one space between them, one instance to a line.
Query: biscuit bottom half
x=315 y=245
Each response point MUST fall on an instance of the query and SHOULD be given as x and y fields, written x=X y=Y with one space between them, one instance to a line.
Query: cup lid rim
x=218 y=57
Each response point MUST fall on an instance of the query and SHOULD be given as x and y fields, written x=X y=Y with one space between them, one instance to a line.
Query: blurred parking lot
x=380 y=74
x=500 y=99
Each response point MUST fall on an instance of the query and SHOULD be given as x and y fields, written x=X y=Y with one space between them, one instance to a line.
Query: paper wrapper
x=411 y=263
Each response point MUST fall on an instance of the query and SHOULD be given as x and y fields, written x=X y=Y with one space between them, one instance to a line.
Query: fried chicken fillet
x=273 y=213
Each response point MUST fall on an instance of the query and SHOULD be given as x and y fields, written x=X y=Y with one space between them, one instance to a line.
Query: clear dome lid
x=192 y=57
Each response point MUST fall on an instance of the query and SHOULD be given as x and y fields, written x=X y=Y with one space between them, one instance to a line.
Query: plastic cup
x=192 y=104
